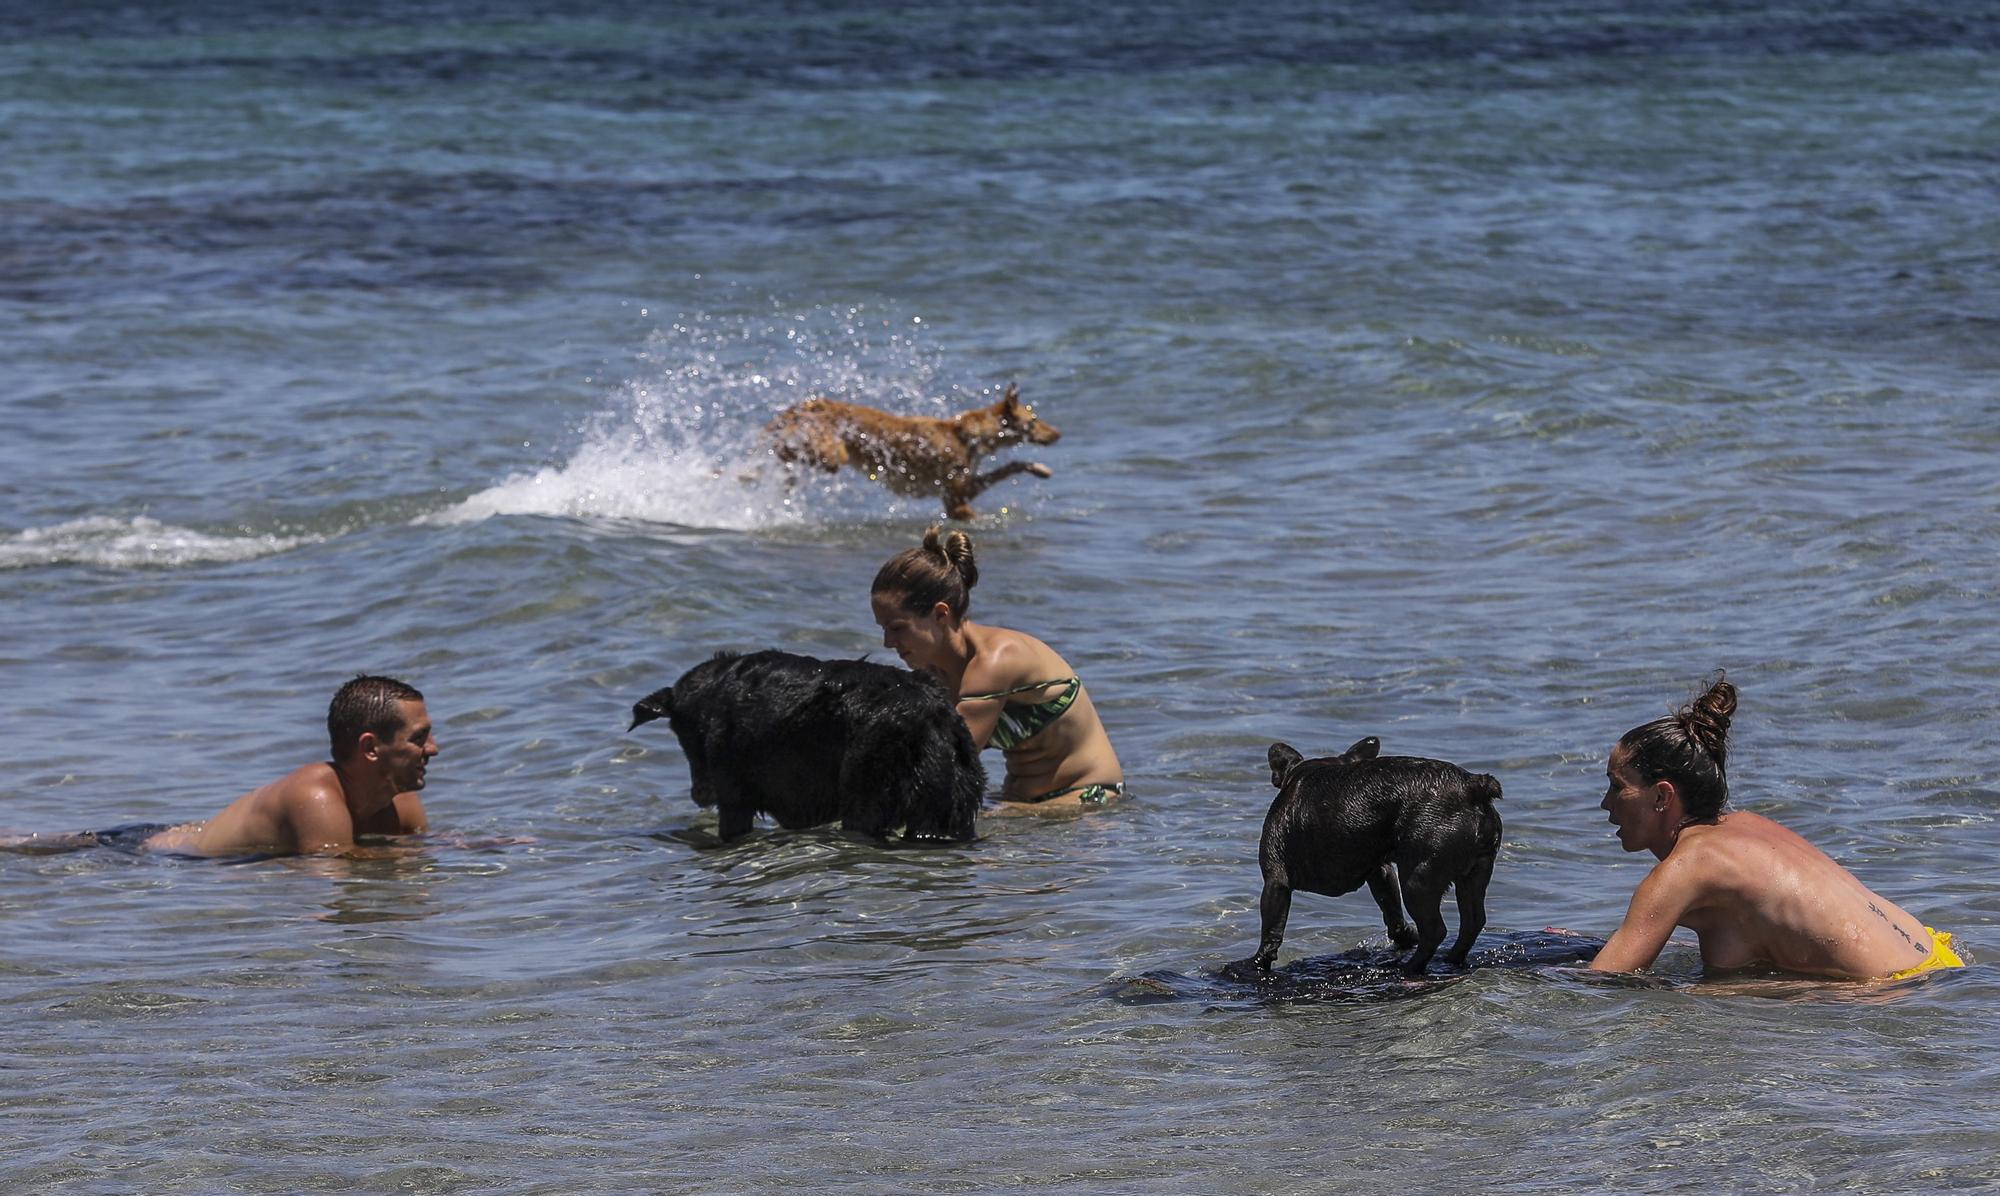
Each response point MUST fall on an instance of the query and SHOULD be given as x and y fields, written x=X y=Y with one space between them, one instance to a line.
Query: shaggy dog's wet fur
x=1359 y=817
x=811 y=741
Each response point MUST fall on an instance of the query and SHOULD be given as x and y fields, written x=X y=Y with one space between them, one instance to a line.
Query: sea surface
x=1481 y=377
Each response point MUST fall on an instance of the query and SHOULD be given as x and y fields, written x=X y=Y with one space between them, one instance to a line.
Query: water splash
x=679 y=442
x=135 y=543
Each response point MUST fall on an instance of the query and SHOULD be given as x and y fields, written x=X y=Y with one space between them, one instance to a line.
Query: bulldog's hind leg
x=1471 y=891
x=1423 y=892
x=1388 y=894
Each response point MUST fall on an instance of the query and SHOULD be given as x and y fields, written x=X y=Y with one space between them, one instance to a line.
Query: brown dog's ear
x=1013 y=395
x=1363 y=749
x=1284 y=758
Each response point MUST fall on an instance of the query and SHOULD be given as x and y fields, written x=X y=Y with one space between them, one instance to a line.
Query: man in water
x=382 y=743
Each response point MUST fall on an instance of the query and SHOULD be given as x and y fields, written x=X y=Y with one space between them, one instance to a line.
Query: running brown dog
x=912 y=454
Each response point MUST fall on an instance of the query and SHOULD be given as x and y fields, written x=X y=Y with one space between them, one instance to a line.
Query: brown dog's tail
x=1484 y=787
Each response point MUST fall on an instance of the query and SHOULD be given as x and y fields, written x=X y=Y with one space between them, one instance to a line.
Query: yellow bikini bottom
x=1941 y=956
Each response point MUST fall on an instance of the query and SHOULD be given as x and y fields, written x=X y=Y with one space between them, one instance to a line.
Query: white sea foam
x=135 y=543
x=631 y=479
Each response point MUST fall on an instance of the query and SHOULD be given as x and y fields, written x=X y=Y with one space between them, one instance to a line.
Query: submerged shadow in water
x=1364 y=975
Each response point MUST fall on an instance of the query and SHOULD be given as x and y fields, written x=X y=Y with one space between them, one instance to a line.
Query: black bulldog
x=1359 y=817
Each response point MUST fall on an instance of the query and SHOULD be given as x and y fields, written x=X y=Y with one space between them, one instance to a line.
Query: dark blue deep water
x=1475 y=376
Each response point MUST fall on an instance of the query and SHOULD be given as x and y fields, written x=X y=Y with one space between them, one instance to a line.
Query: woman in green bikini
x=1014 y=692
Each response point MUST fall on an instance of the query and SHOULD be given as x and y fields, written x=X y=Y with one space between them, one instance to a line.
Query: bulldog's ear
x=1284 y=758
x=1363 y=749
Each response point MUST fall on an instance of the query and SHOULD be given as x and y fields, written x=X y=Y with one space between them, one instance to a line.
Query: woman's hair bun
x=955 y=549
x=1706 y=718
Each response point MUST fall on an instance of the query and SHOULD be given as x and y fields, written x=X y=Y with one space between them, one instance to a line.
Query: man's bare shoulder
x=308 y=785
x=318 y=775
x=268 y=818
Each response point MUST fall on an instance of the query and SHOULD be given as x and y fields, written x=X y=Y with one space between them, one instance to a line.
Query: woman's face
x=1635 y=808
x=918 y=638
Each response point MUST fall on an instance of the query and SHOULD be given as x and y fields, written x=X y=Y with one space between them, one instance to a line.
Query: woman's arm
x=1662 y=898
x=981 y=716
x=999 y=665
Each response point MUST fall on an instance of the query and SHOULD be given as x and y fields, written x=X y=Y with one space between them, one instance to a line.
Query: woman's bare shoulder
x=1007 y=657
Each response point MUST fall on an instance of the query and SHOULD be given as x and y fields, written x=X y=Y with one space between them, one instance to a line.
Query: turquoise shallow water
x=1478 y=379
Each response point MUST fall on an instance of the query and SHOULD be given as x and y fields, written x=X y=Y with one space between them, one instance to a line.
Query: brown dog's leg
x=959 y=493
x=982 y=481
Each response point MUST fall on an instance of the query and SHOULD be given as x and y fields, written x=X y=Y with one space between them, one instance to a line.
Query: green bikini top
x=1020 y=723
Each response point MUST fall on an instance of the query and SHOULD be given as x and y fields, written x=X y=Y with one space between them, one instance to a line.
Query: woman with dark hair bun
x=1754 y=893
x=1014 y=692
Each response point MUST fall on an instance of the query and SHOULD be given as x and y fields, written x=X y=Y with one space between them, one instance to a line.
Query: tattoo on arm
x=1873 y=909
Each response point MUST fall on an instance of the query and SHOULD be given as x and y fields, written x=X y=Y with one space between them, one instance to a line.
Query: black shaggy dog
x=809 y=741
x=1361 y=817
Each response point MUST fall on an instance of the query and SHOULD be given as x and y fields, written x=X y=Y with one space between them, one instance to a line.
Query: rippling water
x=1474 y=379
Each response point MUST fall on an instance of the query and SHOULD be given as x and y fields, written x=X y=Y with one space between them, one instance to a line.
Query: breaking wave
x=135 y=543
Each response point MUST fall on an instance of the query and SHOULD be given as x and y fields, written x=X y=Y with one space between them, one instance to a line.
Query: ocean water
x=1479 y=377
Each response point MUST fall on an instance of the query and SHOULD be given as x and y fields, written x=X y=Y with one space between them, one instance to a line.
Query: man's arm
x=1667 y=893
x=320 y=821
x=410 y=816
